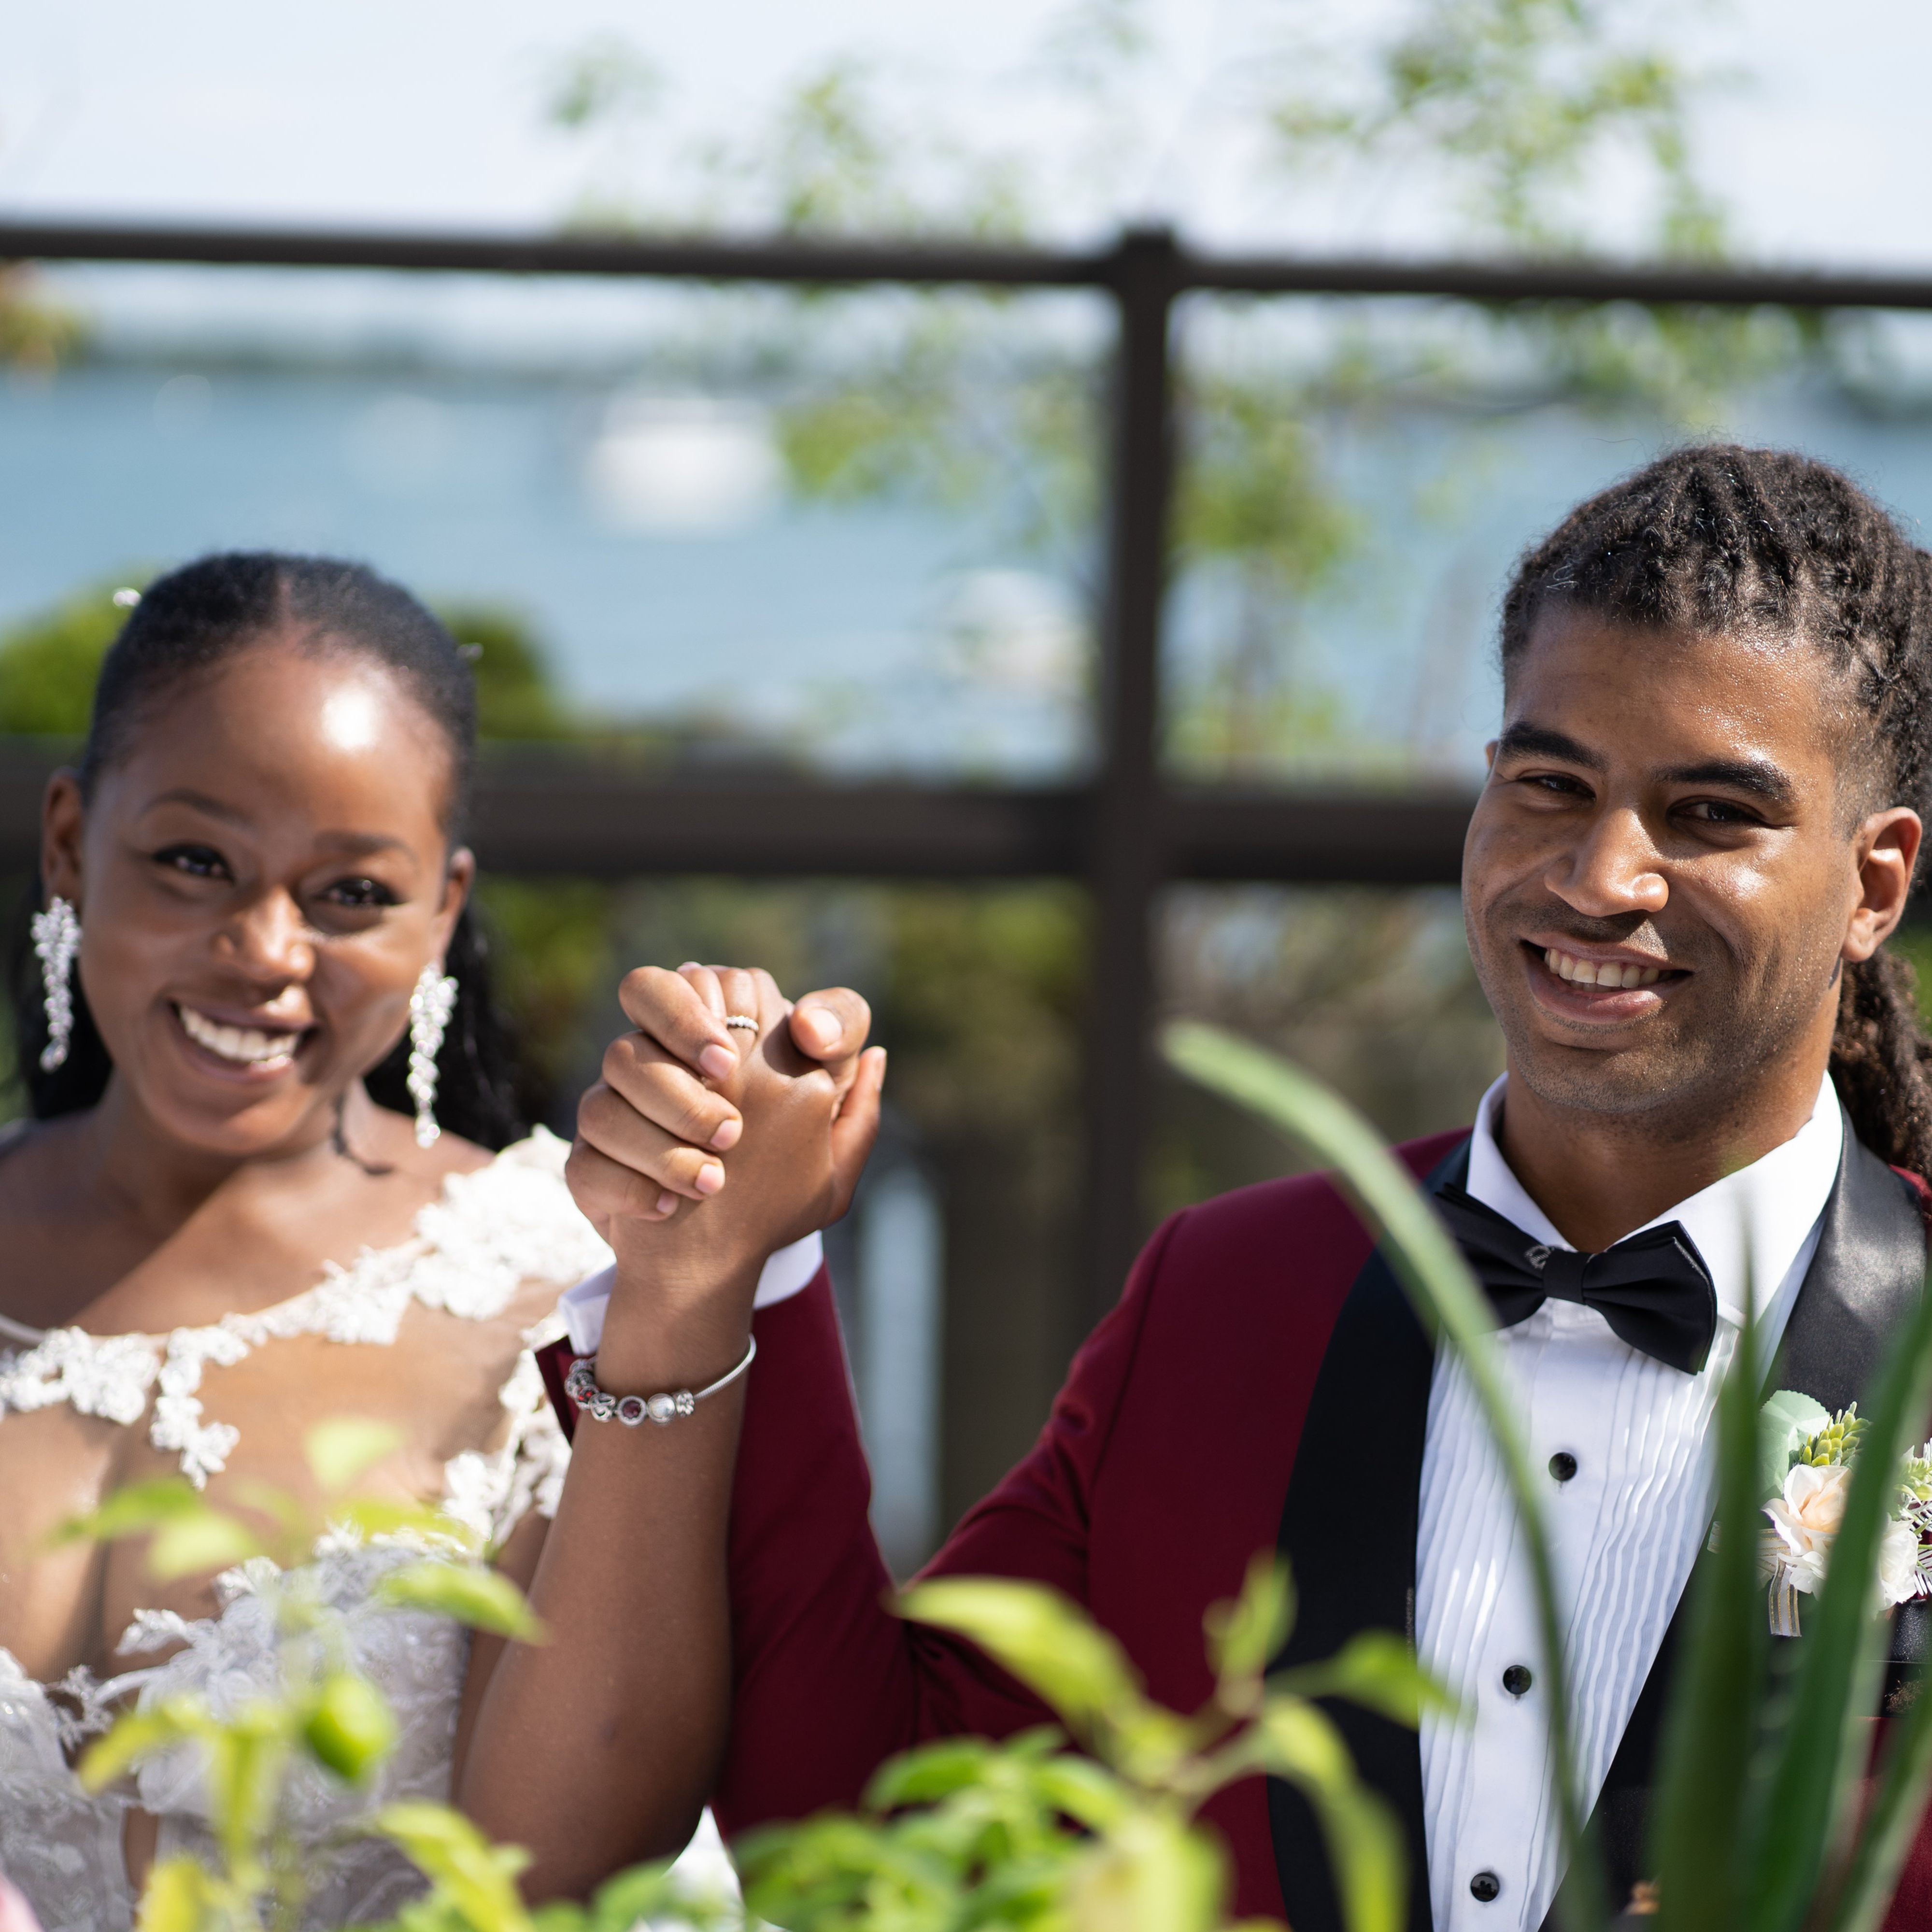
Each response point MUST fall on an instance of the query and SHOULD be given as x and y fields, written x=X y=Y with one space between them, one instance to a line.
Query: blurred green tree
x=49 y=663
x=516 y=690
x=37 y=333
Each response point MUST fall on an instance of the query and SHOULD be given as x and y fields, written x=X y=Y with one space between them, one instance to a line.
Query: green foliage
x=516 y=689
x=1787 y=1422
x=50 y=664
x=964 y=1832
x=961 y=1833
x=607 y=78
x=36 y=335
x=1517 y=99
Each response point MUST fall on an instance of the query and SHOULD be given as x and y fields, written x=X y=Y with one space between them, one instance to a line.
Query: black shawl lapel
x=1348 y=1529
x=1861 y=1284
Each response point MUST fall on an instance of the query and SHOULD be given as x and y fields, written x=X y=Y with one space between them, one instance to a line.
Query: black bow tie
x=1653 y=1289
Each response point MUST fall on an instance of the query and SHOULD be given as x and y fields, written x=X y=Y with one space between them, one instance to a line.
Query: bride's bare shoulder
x=40 y=1175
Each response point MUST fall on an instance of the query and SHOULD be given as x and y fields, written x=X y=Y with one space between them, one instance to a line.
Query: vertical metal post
x=1126 y=861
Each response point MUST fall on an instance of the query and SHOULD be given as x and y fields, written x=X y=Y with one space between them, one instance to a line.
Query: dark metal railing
x=1126 y=831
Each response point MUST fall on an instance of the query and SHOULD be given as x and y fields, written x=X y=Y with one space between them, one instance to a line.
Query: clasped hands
x=705 y=1148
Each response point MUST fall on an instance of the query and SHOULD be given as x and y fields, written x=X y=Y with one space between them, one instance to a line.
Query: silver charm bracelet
x=580 y=1385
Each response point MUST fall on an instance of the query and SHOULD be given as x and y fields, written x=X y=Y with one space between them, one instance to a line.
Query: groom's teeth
x=1593 y=973
x=242 y=1044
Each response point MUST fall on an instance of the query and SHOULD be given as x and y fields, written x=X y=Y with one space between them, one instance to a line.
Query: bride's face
x=261 y=876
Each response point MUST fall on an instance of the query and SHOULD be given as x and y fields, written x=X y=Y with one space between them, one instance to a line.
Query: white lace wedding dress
x=491 y=1235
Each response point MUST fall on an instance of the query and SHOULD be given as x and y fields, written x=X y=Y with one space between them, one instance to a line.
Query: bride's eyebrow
x=360 y=844
x=200 y=801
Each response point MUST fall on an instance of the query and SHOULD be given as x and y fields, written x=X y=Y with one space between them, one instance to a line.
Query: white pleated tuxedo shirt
x=1626 y=1526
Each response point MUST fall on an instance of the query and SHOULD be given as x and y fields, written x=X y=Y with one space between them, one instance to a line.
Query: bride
x=273 y=1176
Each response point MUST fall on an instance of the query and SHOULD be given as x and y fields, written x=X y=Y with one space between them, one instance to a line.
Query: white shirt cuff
x=785 y=1273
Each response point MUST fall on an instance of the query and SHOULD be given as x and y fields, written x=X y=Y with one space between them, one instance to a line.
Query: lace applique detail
x=490 y=1493
x=106 y=1375
x=489 y=1233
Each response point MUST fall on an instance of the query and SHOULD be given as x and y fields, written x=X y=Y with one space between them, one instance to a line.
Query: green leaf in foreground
x=180 y=1896
x=483 y=1599
x=1365 y=1843
x=1813 y=1786
x=192 y=1545
x=1244 y=1635
x=478 y=1879
x=346 y=1447
x=349 y=1728
x=1376 y=1669
x=1053 y=1648
x=130 y=1511
x=1446 y=1299
x=1699 y=1821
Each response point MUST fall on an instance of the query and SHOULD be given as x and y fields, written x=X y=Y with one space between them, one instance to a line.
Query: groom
x=1701 y=818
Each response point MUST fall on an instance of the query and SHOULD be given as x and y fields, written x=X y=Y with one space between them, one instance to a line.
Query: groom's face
x=1667 y=864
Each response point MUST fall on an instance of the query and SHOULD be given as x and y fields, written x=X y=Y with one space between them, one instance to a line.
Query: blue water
x=814 y=629
x=833 y=633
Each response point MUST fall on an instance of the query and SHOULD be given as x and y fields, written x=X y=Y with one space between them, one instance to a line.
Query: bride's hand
x=686 y=1097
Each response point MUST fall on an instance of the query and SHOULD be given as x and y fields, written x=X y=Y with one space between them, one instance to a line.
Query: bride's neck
x=158 y=1181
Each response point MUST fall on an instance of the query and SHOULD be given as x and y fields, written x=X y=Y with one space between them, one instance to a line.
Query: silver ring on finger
x=743 y=1021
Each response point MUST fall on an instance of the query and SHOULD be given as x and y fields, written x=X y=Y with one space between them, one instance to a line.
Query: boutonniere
x=1806 y=1478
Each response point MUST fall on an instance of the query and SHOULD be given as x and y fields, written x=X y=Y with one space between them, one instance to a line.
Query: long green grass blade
x=1699 y=1820
x=1432 y=1271
x=1819 y=1761
x=1904 y=1783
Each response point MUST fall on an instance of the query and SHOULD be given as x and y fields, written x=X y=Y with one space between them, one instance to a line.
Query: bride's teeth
x=243 y=1044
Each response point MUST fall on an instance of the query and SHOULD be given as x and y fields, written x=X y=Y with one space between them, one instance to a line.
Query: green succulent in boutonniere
x=1805 y=1477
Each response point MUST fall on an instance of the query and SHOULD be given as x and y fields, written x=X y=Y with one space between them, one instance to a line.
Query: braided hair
x=1723 y=538
x=187 y=624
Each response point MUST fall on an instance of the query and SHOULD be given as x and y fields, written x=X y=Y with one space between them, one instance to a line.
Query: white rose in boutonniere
x=1806 y=1518
x=1808 y=1456
x=1898 y=1561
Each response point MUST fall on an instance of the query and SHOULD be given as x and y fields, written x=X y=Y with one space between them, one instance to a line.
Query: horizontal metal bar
x=1316 y=837
x=1706 y=285
x=835 y=260
x=669 y=257
x=602 y=825
x=541 y=813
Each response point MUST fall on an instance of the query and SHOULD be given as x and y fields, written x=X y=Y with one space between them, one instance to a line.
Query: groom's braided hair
x=187 y=624
x=1723 y=538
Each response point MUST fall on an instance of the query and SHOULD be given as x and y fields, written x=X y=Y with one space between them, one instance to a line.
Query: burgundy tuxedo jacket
x=1262 y=1382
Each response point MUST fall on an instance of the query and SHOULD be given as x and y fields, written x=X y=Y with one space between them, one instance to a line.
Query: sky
x=421 y=113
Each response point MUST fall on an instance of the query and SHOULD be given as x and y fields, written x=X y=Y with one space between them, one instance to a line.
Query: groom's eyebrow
x=1758 y=776
x=1523 y=739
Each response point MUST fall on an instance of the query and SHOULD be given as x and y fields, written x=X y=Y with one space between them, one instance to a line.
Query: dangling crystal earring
x=56 y=934
x=431 y=1006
